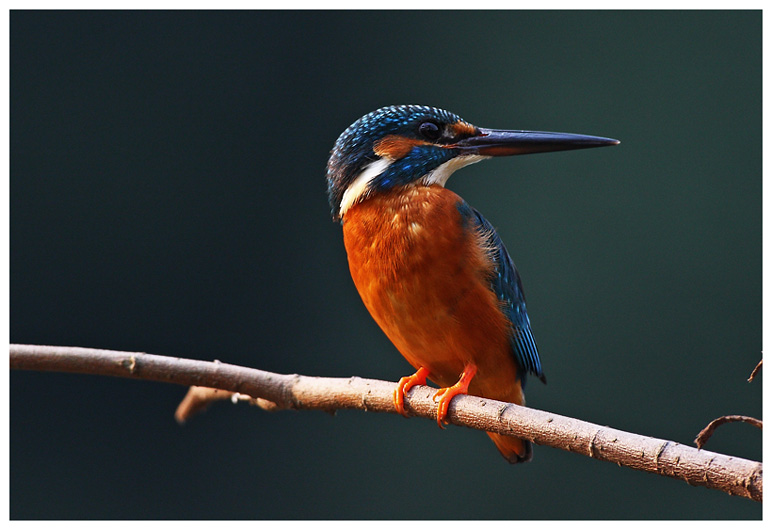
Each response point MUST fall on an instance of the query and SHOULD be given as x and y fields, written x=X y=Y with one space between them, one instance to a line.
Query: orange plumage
x=426 y=282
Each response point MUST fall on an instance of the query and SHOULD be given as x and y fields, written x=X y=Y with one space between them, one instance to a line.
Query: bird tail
x=514 y=450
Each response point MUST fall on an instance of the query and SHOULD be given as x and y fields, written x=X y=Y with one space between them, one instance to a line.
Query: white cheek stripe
x=441 y=174
x=358 y=189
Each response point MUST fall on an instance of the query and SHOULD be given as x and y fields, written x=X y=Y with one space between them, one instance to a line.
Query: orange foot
x=445 y=395
x=405 y=384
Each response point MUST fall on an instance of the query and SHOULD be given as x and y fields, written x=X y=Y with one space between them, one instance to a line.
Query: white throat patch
x=441 y=174
x=357 y=190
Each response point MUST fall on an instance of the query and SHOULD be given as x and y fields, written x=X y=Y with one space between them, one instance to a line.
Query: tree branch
x=735 y=476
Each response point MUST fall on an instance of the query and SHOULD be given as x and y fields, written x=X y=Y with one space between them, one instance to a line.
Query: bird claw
x=447 y=394
x=404 y=385
x=442 y=397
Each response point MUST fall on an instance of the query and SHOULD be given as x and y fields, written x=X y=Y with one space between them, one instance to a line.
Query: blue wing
x=506 y=284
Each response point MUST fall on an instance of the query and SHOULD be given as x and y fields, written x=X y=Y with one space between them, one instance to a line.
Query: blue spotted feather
x=505 y=282
x=354 y=149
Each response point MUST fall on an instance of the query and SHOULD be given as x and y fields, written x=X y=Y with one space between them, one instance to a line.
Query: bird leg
x=405 y=384
x=445 y=395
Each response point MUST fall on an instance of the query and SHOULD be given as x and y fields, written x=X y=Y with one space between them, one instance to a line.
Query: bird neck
x=398 y=227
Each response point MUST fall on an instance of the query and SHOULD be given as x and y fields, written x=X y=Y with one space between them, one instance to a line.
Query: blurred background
x=168 y=196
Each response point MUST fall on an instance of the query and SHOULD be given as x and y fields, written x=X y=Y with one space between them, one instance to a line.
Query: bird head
x=406 y=145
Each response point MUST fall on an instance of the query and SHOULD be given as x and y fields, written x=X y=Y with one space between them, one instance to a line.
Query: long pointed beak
x=492 y=142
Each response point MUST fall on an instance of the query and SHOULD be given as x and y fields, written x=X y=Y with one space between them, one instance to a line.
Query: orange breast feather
x=425 y=278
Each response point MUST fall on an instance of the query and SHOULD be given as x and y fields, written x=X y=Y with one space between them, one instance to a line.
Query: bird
x=430 y=269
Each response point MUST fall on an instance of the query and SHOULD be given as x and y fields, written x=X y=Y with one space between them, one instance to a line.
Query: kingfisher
x=431 y=270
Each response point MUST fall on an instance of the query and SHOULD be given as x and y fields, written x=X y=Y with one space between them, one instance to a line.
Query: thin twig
x=735 y=476
x=199 y=398
x=755 y=371
x=708 y=431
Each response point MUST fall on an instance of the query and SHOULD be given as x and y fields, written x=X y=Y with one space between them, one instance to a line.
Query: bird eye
x=429 y=130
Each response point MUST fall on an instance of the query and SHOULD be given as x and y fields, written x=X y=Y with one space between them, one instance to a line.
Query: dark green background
x=168 y=196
